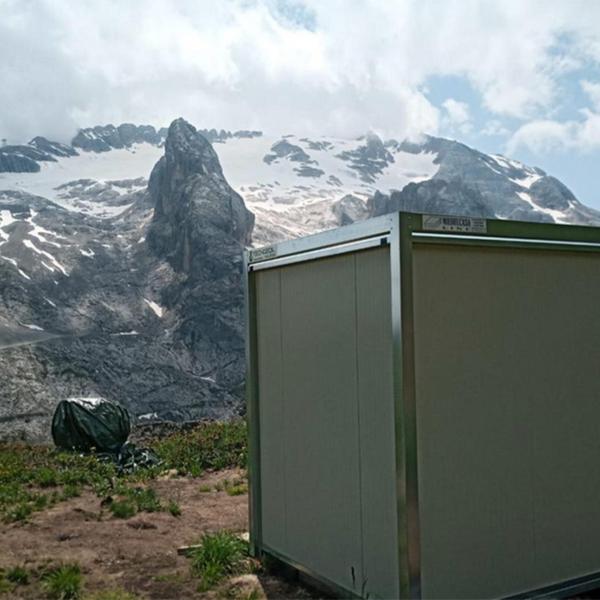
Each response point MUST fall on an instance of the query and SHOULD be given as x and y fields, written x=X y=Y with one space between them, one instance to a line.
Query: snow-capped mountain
x=120 y=254
x=297 y=185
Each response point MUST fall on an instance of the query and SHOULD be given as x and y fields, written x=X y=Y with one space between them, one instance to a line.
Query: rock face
x=471 y=183
x=22 y=159
x=201 y=226
x=144 y=308
x=52 y=148
x=104 y=138
x=350 y=209
x=435 y=196
x=369 y=159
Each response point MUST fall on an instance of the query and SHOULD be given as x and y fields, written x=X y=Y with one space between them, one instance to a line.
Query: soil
x=138 y=554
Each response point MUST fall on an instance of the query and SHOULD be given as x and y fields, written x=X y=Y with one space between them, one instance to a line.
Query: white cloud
x=358 y=65
x=592 y=90
x=495 y=127
x=457 y=115
x=541 y=136
x=544 y=136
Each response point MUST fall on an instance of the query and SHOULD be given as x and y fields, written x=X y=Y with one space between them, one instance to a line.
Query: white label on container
x=263 y=253
x=460 y=224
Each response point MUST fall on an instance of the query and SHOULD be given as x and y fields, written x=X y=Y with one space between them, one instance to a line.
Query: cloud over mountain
x=337 y=66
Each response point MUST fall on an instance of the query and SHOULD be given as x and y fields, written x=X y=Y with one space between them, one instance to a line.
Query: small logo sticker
x=263 y=253
x=458 y=224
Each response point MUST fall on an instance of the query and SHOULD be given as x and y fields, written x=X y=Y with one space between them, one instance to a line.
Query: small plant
x=174 y=508
x=40 y=501
x=217 y=556
x=122 y=509
x=63 y=583
x=18 y=575
x=5 y=585
x=221 y=486
x=238 y=487
x=71 y=490
x=205 y=488
x=19 y=512
x=145 y=499
x=46 y=477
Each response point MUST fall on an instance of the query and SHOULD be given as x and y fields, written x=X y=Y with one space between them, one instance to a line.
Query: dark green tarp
x=90 y=424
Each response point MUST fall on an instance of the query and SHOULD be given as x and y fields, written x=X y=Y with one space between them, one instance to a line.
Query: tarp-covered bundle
x=87 y=424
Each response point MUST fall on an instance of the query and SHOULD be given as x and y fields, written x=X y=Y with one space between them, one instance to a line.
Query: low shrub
x=211 y=445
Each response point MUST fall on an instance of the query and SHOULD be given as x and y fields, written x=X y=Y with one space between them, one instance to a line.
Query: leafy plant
x=19 y=512
x=174 y=508
x=145 y=499
x=63 y=583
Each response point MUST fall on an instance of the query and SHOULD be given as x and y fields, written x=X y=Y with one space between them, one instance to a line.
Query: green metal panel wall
x=326 y=418
x=508 y=418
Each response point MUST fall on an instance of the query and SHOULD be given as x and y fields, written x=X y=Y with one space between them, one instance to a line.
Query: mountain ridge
x=121 y=269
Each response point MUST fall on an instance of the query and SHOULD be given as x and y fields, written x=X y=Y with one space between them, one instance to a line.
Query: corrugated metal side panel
x=326 y=418
x=271 y=412
x=376 y=417
x=508 y=415
x=321 y=428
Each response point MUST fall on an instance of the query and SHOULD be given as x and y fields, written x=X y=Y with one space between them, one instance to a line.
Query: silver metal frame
x=401 y=231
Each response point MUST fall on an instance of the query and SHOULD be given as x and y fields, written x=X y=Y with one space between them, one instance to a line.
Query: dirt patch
x=138 y=554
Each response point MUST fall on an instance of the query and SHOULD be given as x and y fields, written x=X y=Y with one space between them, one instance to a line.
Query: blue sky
x=516 y=77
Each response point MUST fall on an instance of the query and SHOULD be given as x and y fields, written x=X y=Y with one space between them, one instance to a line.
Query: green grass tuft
x=237 y=487
x=217 y=556
x=46 y=477
x=6 y=587
x=123 y=509
x=71 y=490
x=63 y=583
x=18 y=575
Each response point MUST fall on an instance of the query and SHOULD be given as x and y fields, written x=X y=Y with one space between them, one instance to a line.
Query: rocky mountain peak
x=187 y=145
x=197 y=215
x=187 y=154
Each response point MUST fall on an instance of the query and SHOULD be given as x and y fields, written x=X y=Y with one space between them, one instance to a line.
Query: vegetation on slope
x=34 y=478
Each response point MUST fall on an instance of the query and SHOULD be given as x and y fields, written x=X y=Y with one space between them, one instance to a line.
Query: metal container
x=424 y=407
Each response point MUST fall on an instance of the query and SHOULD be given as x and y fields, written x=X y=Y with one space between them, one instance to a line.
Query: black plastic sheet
x=88 y=425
